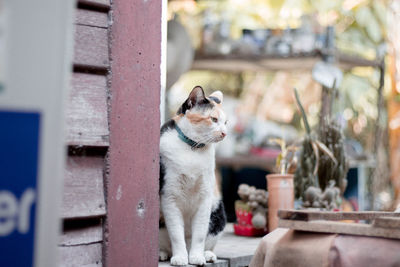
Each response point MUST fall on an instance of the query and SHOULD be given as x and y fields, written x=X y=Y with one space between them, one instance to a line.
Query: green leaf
x=380 y=11
x=374 y=30
x=362 y=15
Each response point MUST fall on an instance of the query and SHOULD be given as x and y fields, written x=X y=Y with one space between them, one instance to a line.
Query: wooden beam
x=340 y=228
x=310 y=215
x=132 y=184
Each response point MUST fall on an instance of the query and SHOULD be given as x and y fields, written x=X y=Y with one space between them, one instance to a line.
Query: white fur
x=187 y=197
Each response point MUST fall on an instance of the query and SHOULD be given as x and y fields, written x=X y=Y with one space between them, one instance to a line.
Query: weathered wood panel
x=132 y=193
x=86 y=116
x=91 y=18
x=309 y=215
x=84 y=255
x=103 y=4
x=82 y=236
x=91 y=47
x=387 y=222
x=340 y=228
x=83 y=188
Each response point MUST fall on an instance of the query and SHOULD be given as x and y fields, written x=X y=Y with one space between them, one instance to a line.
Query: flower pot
x=244 y=227
x=280 y=196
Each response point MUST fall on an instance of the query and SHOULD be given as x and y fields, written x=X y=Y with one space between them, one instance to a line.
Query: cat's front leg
x=199 y=232
x=175 y=226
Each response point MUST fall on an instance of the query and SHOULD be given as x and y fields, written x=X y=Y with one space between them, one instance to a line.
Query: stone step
x=219 y=263
x=231 y=250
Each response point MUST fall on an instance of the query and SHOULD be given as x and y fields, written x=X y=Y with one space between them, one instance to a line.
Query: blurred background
x=257 y=51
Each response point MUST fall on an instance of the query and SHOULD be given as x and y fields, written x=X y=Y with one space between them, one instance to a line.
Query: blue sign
x=19 y=159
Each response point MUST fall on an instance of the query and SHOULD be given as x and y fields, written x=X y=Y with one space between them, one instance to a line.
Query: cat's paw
x=210 y=256
x=197 y=259
x=162 y=255
x=179 y=260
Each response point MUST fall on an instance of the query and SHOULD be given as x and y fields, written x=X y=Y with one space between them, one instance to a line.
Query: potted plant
x=322 y=165
x=251 y=211
x=280 y=185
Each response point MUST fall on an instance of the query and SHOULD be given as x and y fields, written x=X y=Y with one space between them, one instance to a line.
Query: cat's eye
x=214 y=119
x=226 y=122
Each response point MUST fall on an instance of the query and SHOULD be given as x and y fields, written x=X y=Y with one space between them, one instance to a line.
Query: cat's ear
x=196 y=96
x=217 y=97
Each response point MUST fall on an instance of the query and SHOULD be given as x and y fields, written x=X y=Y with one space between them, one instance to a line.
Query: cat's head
x=202 y=117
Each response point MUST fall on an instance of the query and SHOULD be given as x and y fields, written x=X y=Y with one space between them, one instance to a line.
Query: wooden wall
x=84 y=206
x=110 y=208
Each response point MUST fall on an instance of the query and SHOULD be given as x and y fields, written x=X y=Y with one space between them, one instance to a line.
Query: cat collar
x=187 y=140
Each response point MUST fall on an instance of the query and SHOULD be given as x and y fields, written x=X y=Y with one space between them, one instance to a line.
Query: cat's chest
x=184 y=159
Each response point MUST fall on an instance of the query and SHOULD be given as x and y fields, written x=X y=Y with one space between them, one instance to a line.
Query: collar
x=187 y=140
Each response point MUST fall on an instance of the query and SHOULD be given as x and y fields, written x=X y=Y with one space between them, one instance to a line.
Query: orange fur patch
x=177 y=117
x=197 y=118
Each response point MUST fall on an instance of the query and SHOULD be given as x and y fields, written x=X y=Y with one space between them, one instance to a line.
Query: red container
x=248 y=230
x=243 y=217
x=244 y=226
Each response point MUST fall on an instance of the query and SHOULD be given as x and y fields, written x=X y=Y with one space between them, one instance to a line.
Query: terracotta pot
x=280 y=196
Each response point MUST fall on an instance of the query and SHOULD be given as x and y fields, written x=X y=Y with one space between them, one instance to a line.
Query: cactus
x=316 y=169
x=331 y=135
x=304 y=176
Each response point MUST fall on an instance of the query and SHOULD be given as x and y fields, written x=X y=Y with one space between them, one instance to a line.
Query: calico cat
x=191 y=216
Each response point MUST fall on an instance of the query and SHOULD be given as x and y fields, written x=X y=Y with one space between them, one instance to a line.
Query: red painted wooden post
x=131 y=235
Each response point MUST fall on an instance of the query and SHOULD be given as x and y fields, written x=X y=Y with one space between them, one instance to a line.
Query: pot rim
x=278 y=175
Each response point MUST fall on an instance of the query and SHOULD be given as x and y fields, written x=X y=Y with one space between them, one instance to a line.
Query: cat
x=192 y=218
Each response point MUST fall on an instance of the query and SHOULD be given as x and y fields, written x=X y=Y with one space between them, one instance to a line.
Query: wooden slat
x=87 y=121
x=91 y=47
x=91 y=18
x=253 y=63
x=309 y=215
x=82 y=236
x=387 y=222
x=83 y=188
x=84 y=255
x=102 y=4
x=340 y=228
x=239 y=63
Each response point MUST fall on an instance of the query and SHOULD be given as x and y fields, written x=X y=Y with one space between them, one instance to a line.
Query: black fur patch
x=216 y=100
x=162 y=174
x=217 y=220
x=169 y=125
x=204 y=103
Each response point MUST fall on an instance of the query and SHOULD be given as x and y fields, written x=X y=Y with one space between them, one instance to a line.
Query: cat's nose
x=223 y=134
